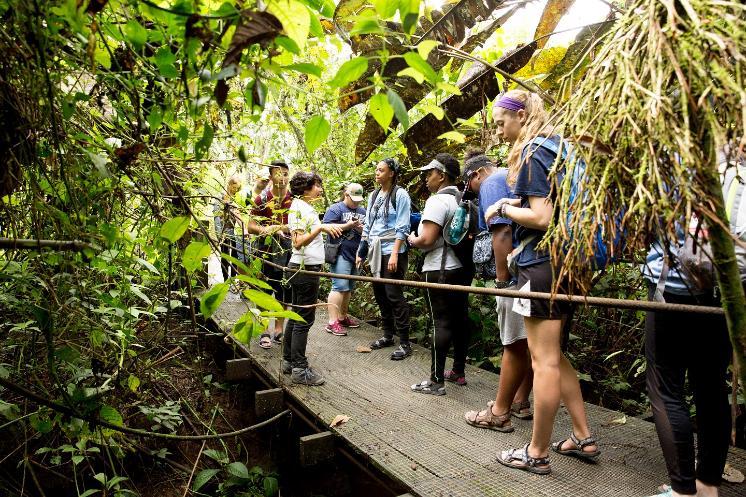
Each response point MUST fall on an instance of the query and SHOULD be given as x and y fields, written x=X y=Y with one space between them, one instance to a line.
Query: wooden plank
x=238 y=369
x=267 y=403
x=316 y=448
x=423 y=442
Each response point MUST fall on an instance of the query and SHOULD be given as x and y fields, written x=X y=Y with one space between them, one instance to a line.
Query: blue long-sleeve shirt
x=377 y=223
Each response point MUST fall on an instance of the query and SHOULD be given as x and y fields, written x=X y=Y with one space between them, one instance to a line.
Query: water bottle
x=458 y=224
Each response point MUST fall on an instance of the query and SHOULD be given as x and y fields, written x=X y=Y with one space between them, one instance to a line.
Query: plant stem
x=732 y=295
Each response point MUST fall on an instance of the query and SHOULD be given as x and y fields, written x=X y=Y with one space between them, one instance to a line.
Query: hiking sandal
x=485 y=419
x=381 y=343
x=265 y=341
x=587 y=455
x=278 y=337
x=516 y=409
x=430 y=388
x=519 y=459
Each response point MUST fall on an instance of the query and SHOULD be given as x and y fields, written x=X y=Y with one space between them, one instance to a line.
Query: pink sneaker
x=336 y=329
x=349 y=322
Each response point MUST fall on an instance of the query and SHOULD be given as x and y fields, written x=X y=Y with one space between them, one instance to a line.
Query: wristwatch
x=503 y=284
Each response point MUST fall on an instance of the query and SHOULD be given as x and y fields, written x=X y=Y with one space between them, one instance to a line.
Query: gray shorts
x=510 y=323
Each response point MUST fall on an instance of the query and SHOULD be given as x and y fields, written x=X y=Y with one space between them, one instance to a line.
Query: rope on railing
x=637 y=305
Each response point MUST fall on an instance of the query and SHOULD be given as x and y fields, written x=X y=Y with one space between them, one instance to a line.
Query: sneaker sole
x=296 y=382
x=400 y=358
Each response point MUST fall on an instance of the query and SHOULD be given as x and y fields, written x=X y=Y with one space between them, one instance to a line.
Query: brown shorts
x=539 y=278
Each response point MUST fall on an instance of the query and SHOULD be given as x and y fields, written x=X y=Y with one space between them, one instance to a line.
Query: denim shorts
x=342 y=266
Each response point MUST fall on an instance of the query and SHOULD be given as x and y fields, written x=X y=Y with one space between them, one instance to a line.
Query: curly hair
x=472 y=152
x=302 y=181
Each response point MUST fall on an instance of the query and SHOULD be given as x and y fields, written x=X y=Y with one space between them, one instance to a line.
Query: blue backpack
x=601 y=256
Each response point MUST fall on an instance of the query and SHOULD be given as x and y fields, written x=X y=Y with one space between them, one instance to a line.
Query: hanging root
x=667 y=71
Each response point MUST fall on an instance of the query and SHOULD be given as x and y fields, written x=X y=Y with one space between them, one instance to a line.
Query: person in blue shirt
x=348 y=213
x=384 y=246
x=516 y=376
x=520 y=117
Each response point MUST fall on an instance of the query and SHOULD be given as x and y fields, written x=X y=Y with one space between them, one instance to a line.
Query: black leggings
x=679 y=345
x=448 y=310
x=305 y=293
x=390 y=299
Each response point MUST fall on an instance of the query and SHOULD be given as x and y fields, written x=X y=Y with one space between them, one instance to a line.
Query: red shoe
x=349 y=322
x=335 y=329
x=453 y=377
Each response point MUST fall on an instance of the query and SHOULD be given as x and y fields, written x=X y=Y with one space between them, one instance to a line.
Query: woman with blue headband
x=521 y=120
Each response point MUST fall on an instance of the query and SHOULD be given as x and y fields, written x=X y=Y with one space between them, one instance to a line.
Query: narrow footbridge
x=423 y=442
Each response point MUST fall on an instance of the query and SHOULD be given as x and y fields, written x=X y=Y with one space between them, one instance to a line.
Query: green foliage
x=167 y=416
x=317 y=129
x=350 y=71
x=235 y=479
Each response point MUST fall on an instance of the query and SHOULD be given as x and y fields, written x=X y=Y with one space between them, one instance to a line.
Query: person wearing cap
x=348 y=213
x=448 y=310
x=516 y=376
x=384 y=247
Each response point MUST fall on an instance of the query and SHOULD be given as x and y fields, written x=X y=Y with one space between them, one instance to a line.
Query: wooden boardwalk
x=423 y=441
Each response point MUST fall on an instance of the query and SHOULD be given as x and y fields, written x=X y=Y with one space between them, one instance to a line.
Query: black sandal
x=519 y=459
x=382 y=342
x=430 y=388
x=590 y=456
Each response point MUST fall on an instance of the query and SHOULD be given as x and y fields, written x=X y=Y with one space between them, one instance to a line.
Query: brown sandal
x=516 y=409
x=485 y=419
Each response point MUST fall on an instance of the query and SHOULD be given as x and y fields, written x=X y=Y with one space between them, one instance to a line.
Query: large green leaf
x=350 y=71
x=263 y=300
x=305 y=68
x=409 y=12
x=271 y=486
x=295 y=19
x=243 y=330
x=212 y=299
x=254 y=281
x=203 y=477
x=110 y=415
x=240 y=265
x=386 y=8
x=317 y=129
x=193 y=255
x=136 y=34
x=283 y=314
x=416 y=62
x=400 y=110
x=173 y=229
x=381 y=110
x=238 y=469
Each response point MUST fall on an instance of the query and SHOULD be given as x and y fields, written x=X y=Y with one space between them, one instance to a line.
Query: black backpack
x=463 y=249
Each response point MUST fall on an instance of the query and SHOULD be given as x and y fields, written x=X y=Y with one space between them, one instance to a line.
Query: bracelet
x=501 y=206
x=502 y=284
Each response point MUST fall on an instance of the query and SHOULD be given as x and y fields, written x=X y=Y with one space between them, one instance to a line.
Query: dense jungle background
x=122 y=121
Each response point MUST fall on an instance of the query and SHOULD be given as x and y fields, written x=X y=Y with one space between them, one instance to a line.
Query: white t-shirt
x=303 y=217
x=438 y=209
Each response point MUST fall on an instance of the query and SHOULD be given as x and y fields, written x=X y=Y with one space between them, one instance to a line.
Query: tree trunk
x=723 y=250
